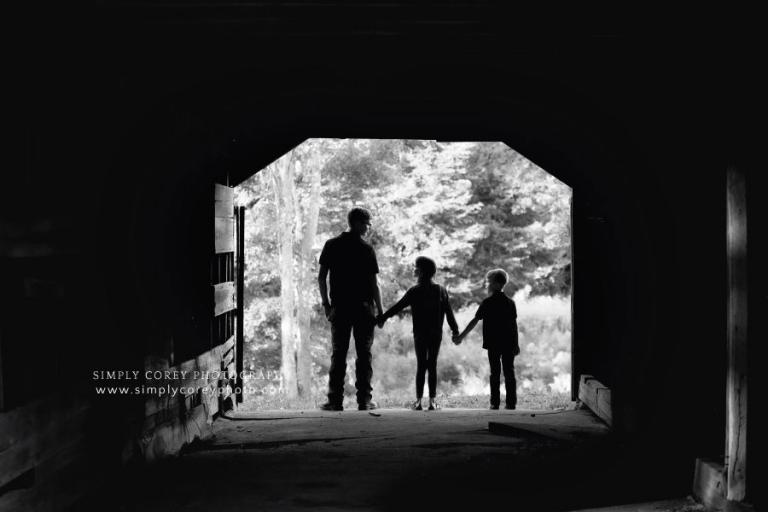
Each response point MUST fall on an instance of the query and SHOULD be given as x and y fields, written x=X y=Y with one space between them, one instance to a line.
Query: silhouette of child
x=429 y=306
x=499 y=316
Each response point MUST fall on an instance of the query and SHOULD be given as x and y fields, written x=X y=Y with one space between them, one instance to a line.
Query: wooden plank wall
x=43 y=456
x=224 y=218
x=44 y=460
x=223 y=284
x=205 y=382
x=171 y=421
x=597 y=397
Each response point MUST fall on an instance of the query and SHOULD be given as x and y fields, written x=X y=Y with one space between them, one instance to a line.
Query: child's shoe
x=416 y=406
x=494 y=407
x=433 y=406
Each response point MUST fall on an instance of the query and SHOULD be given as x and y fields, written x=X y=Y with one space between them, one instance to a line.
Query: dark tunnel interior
x=124 y=117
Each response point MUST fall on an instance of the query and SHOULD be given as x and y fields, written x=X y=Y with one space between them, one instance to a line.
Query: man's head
x=359 y=220
x=495 y=280
x=424 y=268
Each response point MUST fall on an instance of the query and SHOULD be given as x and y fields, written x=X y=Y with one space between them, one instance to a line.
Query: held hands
x=380 y=320
x=329 y=312
x=456 y=338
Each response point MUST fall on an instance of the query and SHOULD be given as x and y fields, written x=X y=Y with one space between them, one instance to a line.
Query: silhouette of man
x=351 y=262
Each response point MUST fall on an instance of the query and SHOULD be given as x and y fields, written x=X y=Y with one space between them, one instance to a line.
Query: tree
x=294 y=182
x=525 y=213
x=282 y=174
x=470 y=206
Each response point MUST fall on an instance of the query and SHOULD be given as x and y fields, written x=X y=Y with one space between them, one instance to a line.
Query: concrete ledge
x=709 y=484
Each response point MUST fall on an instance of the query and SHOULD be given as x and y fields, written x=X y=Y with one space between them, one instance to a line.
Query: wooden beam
x=210 y=361
x=60 y=480
x=223 y=200
x=229 y=357
x=223 y=297
x=522 y=430
x=230 y=370
x=2 y=388
x=171 y=436
x=597 y=397
x=575 y=367
x=34 y=432
x=604 y=410
x=709 y=484
x=228 y=345
x=224 y=234
x=736 y=390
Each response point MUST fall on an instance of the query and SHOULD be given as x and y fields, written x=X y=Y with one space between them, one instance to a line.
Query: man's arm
x=322 y=283
x=376 y=294
x=374 y=267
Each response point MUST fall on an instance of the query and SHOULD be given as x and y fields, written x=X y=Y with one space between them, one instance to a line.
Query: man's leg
x=510 y=384
x=340 y=330
x=494 y=358
x=362 y=329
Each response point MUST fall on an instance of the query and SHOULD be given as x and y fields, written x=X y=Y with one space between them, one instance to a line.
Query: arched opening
x=471 y=207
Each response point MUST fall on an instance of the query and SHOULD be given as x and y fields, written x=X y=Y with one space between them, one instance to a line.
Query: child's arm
x=479 y=314
x=400 y=305
x=471 y=325
x=449 y=314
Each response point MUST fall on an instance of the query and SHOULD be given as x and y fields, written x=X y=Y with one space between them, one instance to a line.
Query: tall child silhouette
x=429 y=306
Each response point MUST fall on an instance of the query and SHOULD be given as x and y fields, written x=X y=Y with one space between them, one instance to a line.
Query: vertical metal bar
x=240 y=287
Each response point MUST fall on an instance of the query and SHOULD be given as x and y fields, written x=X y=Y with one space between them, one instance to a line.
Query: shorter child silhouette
x=499 y=316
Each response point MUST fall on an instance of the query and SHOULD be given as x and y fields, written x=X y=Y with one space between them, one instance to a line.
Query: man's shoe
x=494 y=407
x=510 y=406
x=367 y=406
x=330 y=406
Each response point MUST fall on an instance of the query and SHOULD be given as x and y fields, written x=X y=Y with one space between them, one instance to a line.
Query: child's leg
x=494 y=358
x=434 y=350
x=421 y=365
x=510 y=384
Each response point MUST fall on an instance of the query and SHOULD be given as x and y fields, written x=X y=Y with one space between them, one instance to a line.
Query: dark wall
x=124 y=120
x=757 y=245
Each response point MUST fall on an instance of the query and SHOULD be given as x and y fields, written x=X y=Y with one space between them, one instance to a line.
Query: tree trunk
x=306 y=284
x=285 y=203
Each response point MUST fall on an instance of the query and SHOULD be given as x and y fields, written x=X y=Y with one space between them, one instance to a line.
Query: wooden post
x=240 y=340
x=2 y=390
x=736 y=392
x=575 y=377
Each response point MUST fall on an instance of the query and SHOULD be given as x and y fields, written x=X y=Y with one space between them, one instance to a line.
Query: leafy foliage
x=469 y=206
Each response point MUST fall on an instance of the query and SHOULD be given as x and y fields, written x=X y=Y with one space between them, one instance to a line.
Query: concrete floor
x=400 y=460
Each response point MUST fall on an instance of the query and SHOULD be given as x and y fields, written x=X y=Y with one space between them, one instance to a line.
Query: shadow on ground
x=402 y=460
